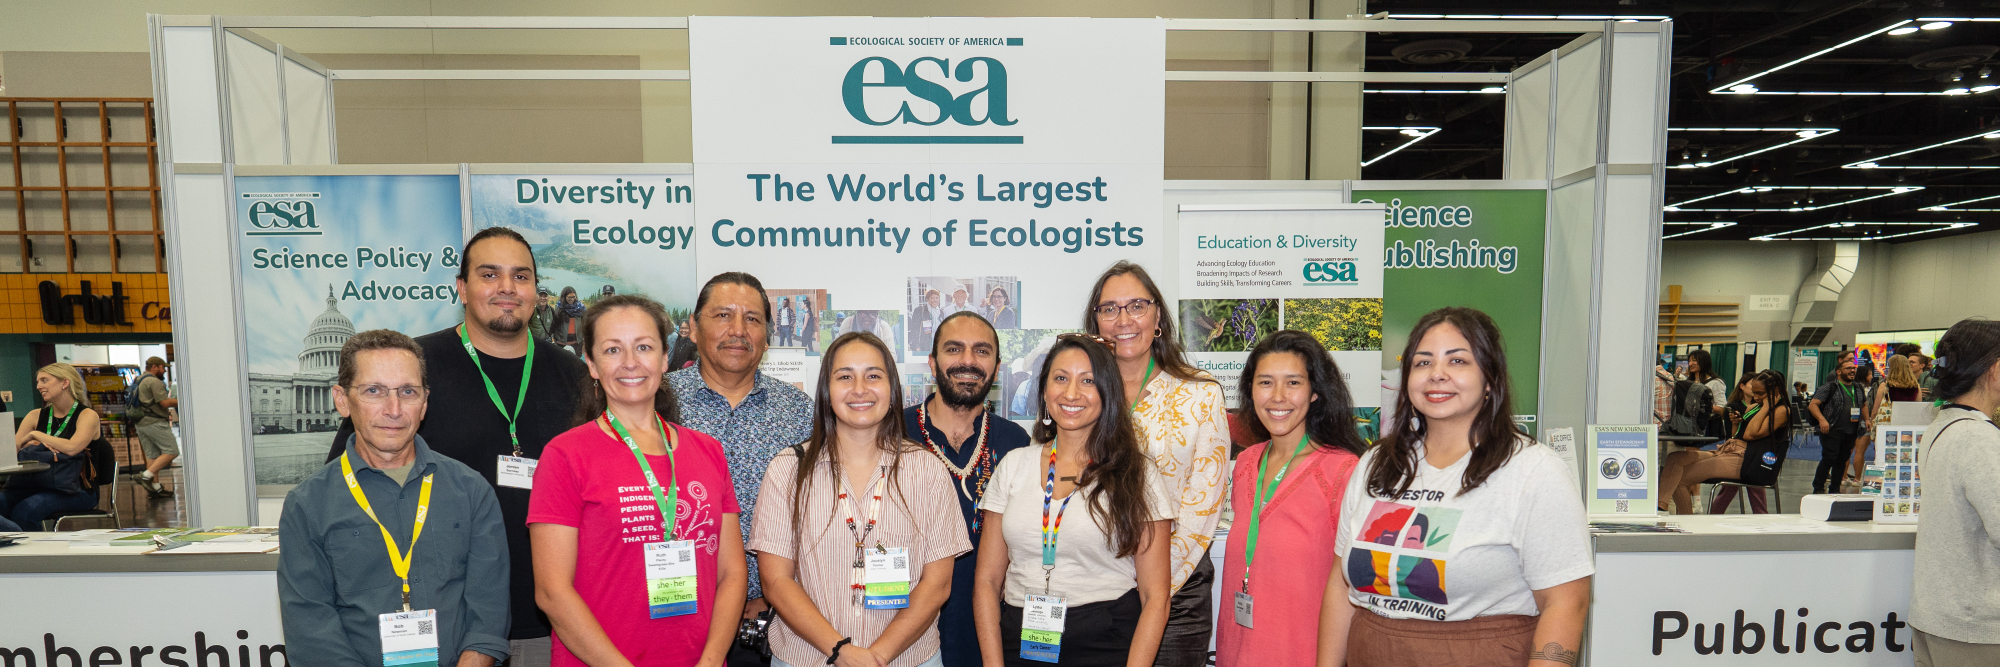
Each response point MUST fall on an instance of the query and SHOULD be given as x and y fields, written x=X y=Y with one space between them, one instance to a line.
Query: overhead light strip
x=1534 y=17
x=1421 y=133
x=1926 y=228
x=1875 y=162
x=1948 y=207
x=1893 y=190
x=1742 y=86
x=1804 y=135
x=1705 y=227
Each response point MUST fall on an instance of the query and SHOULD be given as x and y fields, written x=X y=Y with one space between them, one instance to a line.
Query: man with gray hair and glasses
x=358 y=597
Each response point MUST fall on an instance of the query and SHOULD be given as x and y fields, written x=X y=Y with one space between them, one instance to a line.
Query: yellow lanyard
x=397 y=560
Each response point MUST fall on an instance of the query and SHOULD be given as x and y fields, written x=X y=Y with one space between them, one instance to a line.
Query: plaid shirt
x=774 y=416
x=1663 y=396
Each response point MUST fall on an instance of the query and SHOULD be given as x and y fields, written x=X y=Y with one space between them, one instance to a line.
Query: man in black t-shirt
x=474 y=391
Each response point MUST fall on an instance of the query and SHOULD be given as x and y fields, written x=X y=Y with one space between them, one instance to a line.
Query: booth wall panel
x=196 y=128
x=1625 y=307
x=1577 y=108
x=256 y=111
x=1566 y=336
x=207 y=340
x=1635 y=99
x=1527 y=127
x=306 y=115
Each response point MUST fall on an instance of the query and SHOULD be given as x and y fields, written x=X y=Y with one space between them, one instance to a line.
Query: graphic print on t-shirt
x=694 y=513
x=1401 y=553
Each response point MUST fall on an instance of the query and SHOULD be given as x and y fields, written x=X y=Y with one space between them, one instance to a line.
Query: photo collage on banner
x=596 y=235
x=1474 y=248
x=1895 y=477
x=883 y=173
x=1248 y=271
x=324 y=257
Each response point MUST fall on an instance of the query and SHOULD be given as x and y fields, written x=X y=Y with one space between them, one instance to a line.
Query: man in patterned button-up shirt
x=723 y=395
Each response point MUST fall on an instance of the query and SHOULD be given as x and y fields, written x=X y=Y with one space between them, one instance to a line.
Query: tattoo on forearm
x=1553 y=652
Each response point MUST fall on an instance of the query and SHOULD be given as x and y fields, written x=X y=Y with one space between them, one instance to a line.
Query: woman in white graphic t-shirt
x=1459 y=536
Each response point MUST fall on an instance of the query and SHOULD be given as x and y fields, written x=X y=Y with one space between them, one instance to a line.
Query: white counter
x=120 y=608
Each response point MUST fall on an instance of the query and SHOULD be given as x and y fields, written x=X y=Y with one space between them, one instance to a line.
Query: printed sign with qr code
x=1624 y=506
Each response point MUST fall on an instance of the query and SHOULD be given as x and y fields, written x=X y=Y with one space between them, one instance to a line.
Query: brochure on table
x=1895 y=475
x=1623 y=475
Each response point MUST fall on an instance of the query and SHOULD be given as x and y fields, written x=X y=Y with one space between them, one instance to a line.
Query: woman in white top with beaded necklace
x=857 y=527
x=1183 y=423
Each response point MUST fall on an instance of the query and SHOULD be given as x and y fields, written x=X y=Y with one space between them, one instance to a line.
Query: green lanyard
x=527 y=370
x=1745 y=427
x=1263 y=496
x=50 y=417
x=660 y=497
x=1143 y=383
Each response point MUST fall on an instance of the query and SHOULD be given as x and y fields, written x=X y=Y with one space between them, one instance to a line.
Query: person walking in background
x=875 y=603
x=156 y=434
x=1180 y=414
x=58 y=434
x=501 y=396
x=343 y=590
x=1955 y=605
x=1458 y=500
x=569 y=322
x=956 y=427
x=630 y=506
x=1836 y=410
x=753 y=415
x=542 y=324
x=1085 y=589
x=1288 y=492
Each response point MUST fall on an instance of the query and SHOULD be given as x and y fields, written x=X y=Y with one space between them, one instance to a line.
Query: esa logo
x=1330 y=272
x=920 y=92
x=283 y=215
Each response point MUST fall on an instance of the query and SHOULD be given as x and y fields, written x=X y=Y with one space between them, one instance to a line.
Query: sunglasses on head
x=1087 y=337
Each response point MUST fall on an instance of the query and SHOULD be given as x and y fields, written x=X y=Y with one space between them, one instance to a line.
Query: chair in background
x=104 y=462
x=1722 y=491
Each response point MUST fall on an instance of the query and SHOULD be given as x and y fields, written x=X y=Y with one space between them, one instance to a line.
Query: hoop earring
x=1047 y=420
x=1156 y=332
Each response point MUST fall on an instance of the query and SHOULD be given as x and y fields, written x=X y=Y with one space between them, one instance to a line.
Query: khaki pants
x=1934 y=651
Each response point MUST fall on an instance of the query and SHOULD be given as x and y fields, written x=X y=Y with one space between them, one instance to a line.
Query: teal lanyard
x=527 y=370
x=1263 y=497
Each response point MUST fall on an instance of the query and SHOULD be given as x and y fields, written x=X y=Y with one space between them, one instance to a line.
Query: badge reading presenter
x=670 y=578
x=1042 y=628
x=888 y=579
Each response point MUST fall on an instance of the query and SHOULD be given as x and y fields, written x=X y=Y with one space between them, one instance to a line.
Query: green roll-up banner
x=1474 y=248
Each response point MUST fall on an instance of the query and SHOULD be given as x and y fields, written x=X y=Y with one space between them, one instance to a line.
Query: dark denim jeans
x=27 y=507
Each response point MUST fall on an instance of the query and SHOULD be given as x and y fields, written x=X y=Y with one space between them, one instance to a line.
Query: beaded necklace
x=981 y=461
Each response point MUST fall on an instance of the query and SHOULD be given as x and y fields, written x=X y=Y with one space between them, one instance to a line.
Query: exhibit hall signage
x=323 y=257
x=595 y=235
x=891 y=171
x=1474 y=248
x=1248 y=271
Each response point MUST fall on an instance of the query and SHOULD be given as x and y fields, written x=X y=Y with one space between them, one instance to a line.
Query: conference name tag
x=410 y=638
x=1042 y=628
x=1244 y=605
x=516 y=472
x=1854 y=414
x=887 y=579
x=670 y=578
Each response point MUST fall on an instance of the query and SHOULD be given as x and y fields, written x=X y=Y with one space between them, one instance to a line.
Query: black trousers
x=1190 y=620
x=1835 y=448
x=1098 y=634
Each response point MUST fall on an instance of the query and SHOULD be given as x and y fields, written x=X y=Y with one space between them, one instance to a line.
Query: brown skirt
x=1487 y=641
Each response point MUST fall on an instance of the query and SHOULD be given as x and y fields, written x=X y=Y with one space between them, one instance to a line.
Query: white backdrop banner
x=1752 y=608
x=894 y=170
x=1248 y=271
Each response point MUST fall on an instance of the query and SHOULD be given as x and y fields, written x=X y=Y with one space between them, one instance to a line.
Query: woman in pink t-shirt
x=617 y=587
x=1289 y=489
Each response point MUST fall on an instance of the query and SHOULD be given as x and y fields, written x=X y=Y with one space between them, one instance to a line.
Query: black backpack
x=1693 y=404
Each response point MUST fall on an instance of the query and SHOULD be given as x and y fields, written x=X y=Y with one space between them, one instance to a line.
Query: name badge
x=1244 y=605
x=409 y=638
x=887 y=579
x=1854 y=414
x=516 y=472
x=670 y=578
x=1042 y=628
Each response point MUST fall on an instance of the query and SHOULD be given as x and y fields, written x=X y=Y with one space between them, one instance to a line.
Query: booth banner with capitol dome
x=879 y=174
x=320 y=258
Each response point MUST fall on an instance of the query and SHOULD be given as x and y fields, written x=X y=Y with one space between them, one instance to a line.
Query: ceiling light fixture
x=1416 y=134
x=1891 y=191
x=1950 y=206
x=1894 y=27
x=1899 y=32
x=1875 y=162
x=1804 y=134
x=1935 y=25
x=1872 y=235
x=1699 y=227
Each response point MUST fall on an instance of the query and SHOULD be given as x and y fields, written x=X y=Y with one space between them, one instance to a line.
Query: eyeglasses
x=1137 y=308
x=375 y=393
x=1087 y=337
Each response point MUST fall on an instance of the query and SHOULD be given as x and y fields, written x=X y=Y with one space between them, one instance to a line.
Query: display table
x=212 y=609
x=1753 y=589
